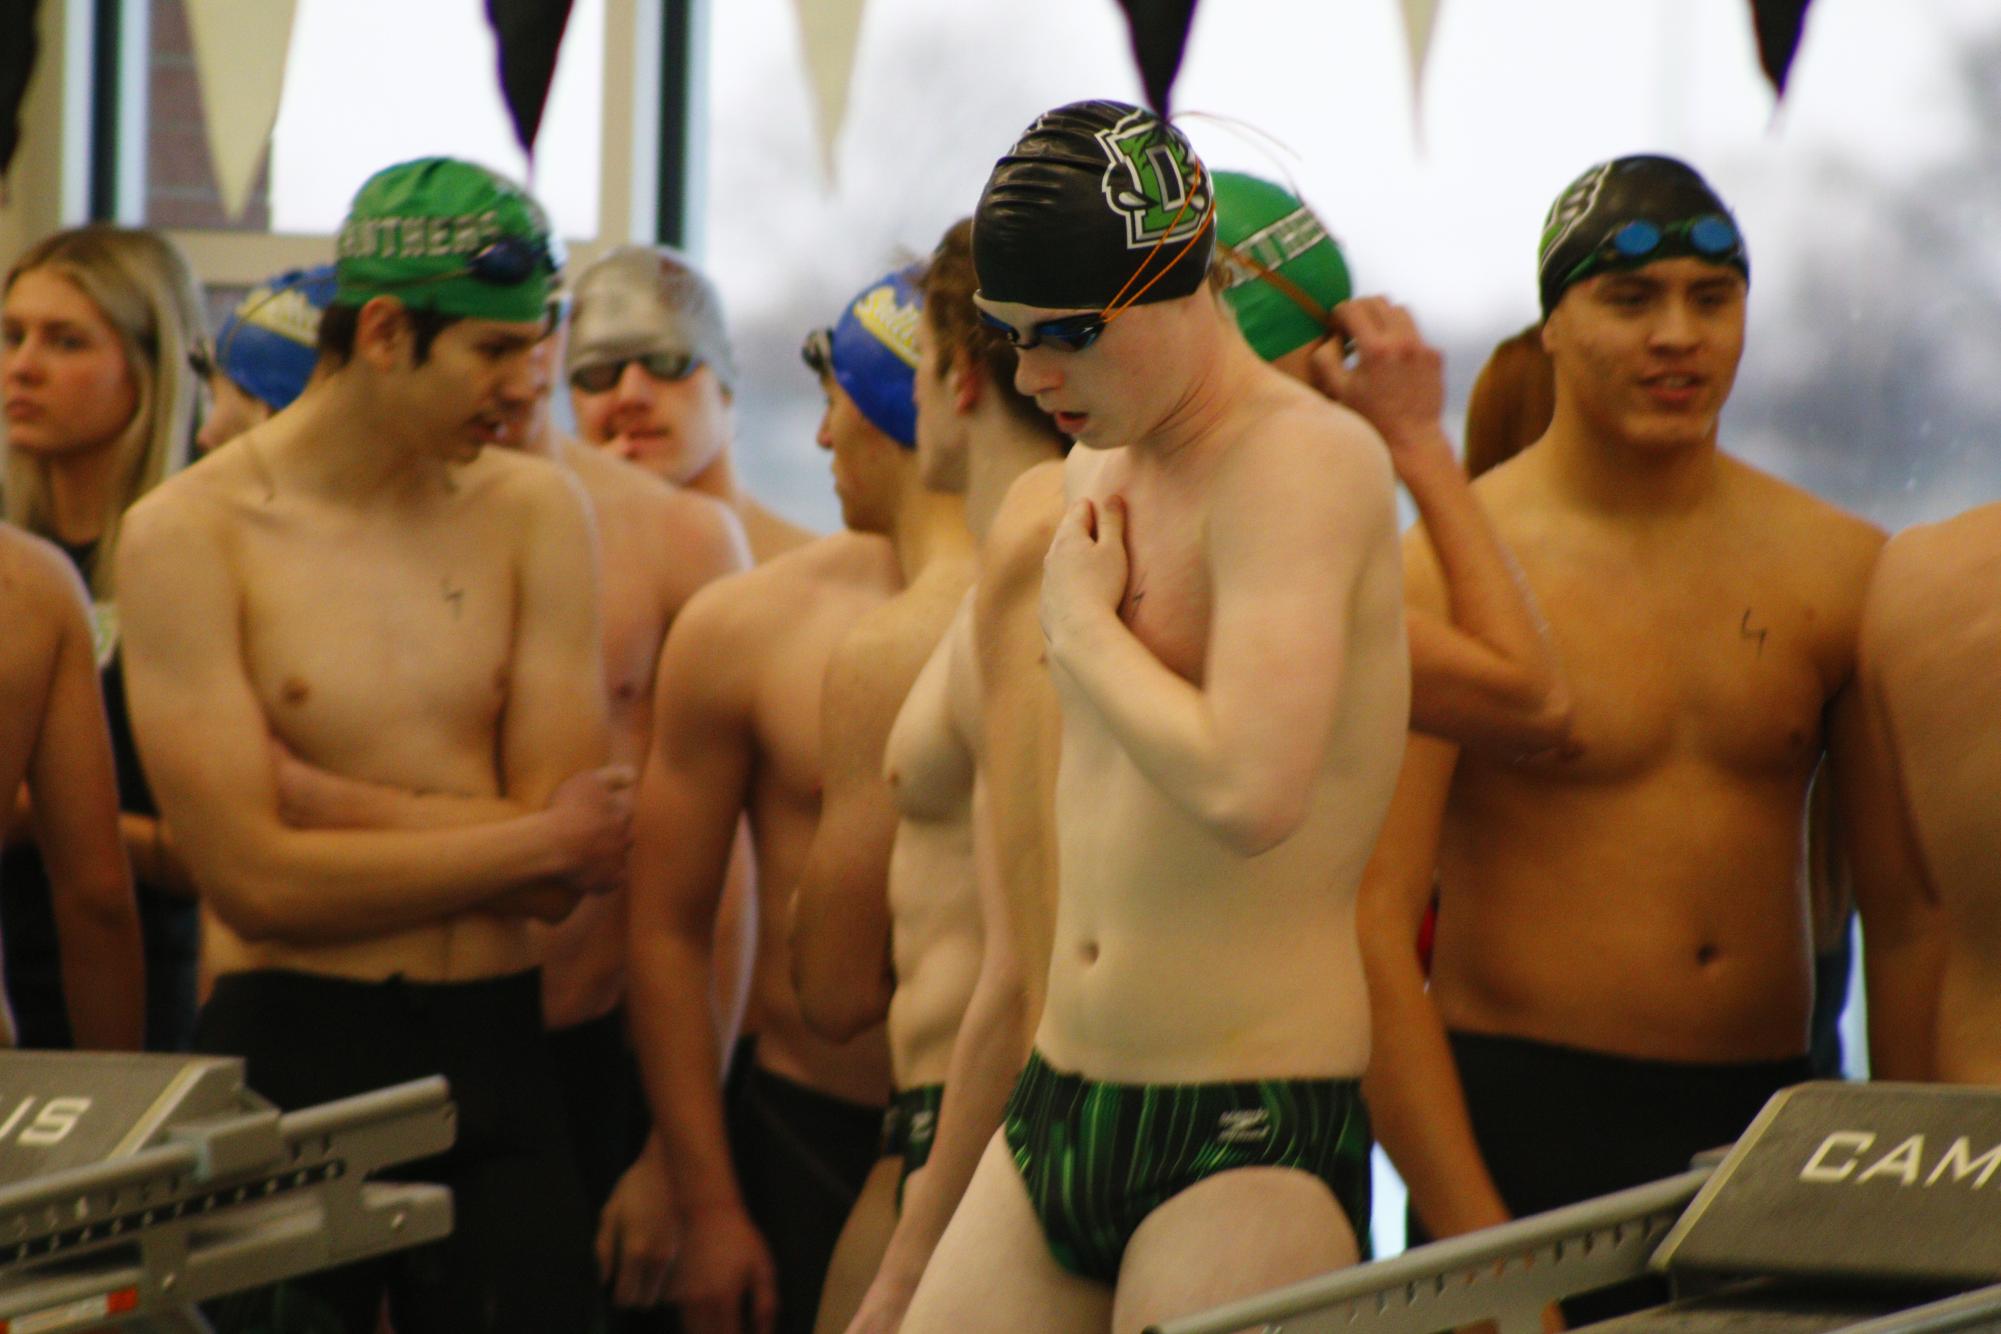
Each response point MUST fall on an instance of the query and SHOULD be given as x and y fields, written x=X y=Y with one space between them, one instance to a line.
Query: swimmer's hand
x=1084 y=573
x=1397 y=380
x=592 y=822
x=637 y=1235
x=723 y=1280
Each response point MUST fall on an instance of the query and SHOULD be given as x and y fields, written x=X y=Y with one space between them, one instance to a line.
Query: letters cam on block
x=1865 y=1183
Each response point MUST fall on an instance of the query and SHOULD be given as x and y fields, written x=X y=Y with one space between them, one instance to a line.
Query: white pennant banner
x=1420 y=18
x=830 y=30
x=240 y=48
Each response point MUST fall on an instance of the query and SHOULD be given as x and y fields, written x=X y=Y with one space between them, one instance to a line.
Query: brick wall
x=180 y=180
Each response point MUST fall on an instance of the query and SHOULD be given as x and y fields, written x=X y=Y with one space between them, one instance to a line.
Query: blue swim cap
x=872 y=353
x=269 y=343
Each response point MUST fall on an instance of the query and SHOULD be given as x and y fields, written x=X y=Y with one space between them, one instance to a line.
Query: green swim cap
x=445 y=235
x=1262 y=229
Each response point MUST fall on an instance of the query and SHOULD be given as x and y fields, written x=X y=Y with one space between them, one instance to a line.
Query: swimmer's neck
x=928 y=526
x=1225 y=371
x=1600 y=471
x=349 y=440
x=1002 y=447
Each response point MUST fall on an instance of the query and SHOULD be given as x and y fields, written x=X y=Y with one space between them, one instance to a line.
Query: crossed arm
x=204 y=738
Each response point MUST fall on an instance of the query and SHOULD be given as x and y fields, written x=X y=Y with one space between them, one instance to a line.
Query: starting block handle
x=1979 y=1309
x=1548 y=1238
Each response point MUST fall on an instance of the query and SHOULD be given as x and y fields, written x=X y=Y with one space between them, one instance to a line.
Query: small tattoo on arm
x=455 y=596
x=1745 y=631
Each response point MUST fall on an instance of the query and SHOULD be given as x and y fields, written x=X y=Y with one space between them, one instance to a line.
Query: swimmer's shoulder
x=38 y=585
x=688 y=538
x=1929 y=570
x=748 y=608
x=1025 y=523
x=1827 y=552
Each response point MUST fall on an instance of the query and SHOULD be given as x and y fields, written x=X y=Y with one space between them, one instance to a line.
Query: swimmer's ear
x=965 y=381
x=382 y=332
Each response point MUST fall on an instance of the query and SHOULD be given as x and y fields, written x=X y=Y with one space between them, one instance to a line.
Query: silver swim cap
x=641 y=300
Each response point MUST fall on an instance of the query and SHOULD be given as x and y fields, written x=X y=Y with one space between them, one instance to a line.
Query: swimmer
x=652 y=377
x=1622 y=970
x=1222 y=607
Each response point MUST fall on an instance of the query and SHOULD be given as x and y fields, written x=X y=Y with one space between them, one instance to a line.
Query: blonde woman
x=98 y=327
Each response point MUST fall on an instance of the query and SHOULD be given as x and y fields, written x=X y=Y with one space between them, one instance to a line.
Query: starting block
x=134 y=1186
x=1853 y=1207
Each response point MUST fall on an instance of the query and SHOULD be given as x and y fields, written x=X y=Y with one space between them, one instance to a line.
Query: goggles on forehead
x=506 y=261
x=509 y=261
x=603 y=375
x=1708 y=236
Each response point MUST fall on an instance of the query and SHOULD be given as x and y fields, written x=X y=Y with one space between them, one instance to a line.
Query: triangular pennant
x=17 y=62
x=1420 y=20
x=528 y=33
x=240 y=48
x=1160 y=37
x=1779 y=24
x=830 y=30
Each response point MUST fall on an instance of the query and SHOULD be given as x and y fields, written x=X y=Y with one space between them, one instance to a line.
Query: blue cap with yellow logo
x=872 y=353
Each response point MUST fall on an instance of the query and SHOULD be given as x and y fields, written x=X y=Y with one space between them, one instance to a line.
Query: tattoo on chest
x=1129 y=605
x=1745 y=630
x=455 y=596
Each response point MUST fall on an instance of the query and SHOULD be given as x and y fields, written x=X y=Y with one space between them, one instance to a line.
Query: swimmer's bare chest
x=1168 y=596
x=383 y=655
x=1723 y=667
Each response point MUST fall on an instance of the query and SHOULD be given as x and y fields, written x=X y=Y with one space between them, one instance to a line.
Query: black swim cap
x=1629 y=212
x=1095 y=202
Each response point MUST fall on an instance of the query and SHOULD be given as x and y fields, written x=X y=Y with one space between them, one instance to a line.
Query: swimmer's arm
x=1021 y=721
x=840 y=917
x=1487 y=673
x=1242 y=753
x=1412 y=1085
x=1903 y=925
x=202 y=735
x=696 y=781
x=74 y=782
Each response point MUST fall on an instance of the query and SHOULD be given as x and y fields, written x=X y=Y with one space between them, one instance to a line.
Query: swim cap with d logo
x=1630 y=212
x=1098 y=205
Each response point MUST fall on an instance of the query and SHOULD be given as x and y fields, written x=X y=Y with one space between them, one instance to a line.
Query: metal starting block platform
x=1863 y=1208
x=133 y=1186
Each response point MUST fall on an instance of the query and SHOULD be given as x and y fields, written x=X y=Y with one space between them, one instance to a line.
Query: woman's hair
x=1512 y=402
x=949 y=284
x=142 y=285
